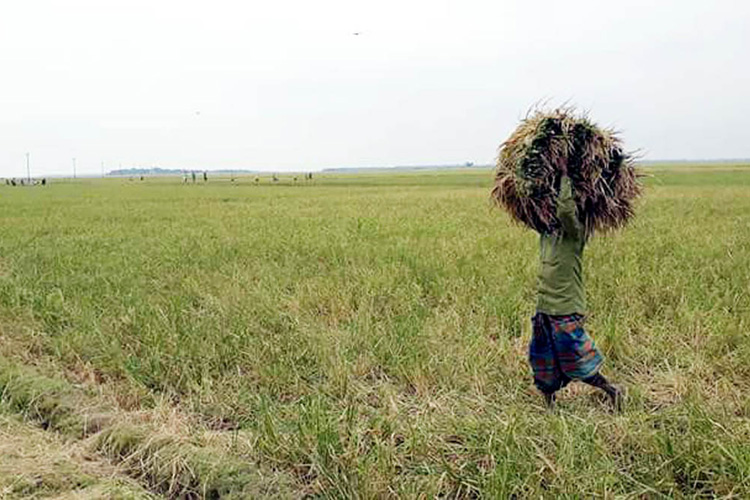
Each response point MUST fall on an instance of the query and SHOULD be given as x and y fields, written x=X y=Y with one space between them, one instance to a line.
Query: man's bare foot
x=616 y=397
x=549 y=400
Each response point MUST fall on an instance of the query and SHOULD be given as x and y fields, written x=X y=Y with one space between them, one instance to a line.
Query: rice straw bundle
x=550 y=144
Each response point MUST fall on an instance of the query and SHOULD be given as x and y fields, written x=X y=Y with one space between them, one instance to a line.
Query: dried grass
x=39 y=464
x=550 y=144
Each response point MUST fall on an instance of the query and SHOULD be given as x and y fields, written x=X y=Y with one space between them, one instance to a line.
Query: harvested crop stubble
x=550 y=144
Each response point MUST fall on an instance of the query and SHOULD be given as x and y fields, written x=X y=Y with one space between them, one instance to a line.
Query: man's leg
x=615 y=394
x=548 y=377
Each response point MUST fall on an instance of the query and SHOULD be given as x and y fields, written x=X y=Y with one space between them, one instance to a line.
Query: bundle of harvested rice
x=550 y=144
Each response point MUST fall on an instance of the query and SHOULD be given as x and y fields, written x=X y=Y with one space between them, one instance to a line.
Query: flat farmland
x=364 y=336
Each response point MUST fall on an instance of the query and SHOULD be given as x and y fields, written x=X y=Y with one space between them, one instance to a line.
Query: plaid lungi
x=561 y=351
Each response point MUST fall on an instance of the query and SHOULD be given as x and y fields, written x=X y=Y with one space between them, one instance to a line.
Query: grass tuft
x=49 y=402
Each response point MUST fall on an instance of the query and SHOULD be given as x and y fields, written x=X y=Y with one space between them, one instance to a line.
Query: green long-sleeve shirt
x=560 y=282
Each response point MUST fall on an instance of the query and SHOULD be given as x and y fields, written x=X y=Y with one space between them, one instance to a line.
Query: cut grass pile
x=146 y=445
x=39 y=464
x=548 y=145
x=366 y=336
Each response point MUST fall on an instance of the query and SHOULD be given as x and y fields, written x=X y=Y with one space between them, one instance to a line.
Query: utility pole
x=74 y=168
x=28 y=170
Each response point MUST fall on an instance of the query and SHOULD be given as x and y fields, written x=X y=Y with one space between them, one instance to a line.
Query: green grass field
x=365 y=336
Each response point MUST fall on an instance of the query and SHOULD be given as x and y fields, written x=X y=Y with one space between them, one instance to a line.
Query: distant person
x=44 y=181
x=205 y=176
x=184 y=178
x=141 y=178
x=13 y=182
x=193 y=174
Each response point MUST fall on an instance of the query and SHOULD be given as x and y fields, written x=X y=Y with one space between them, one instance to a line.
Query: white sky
x=285 y=85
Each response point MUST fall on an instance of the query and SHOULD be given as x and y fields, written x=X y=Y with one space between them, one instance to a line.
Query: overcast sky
x=287 y=85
